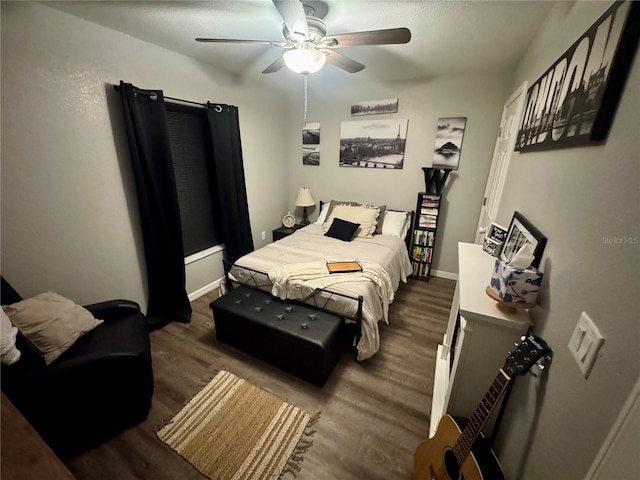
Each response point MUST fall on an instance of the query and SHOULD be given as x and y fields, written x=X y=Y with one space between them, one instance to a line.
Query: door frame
x=518 y=95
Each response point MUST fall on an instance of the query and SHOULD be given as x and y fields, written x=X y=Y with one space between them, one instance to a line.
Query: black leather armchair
x=100 y=385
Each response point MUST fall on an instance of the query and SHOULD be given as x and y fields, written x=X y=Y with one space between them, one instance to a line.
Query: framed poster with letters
x=574 y=102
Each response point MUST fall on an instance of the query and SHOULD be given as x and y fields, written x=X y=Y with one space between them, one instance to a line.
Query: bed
x=295 y=267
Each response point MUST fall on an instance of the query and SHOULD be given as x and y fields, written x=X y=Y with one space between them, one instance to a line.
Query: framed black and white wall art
x=521 y=232
x=311 y=144
x=574 y=102
x=449 y=134
x=374 y=107
x=373 y=143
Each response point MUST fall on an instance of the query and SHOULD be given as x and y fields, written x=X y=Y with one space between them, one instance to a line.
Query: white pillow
x=51 y=323
x=328 y=207
x=9 y=354
x=365 y=216
x=323 y=214
x=395 y=223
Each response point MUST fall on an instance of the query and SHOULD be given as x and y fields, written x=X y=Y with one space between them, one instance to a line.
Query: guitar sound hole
x=451 y=465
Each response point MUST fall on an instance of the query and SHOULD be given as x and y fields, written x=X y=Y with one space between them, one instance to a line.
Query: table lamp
x=304 y=200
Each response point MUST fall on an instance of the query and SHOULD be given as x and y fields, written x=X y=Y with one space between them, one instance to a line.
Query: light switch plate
x=585 y=342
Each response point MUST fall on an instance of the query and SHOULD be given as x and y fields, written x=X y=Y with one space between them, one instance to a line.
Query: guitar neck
x=481 y=415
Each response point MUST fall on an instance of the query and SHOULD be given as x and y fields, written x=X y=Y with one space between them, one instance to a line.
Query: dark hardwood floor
x=374 y=413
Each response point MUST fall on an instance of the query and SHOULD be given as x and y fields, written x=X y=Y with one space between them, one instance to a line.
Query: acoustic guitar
x=457 y=451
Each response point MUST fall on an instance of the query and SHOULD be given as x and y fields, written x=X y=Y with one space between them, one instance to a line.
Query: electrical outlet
x=264 y=235
x=585 y=342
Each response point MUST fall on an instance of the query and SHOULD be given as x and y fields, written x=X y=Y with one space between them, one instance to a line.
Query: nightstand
x=282 y=232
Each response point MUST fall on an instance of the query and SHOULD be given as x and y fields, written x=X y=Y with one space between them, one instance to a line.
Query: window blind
x=190 y=150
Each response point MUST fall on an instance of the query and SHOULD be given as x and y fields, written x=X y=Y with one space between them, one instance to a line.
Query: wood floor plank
x=374 y=413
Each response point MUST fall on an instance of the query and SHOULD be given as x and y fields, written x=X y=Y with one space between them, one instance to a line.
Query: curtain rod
x=203 y=105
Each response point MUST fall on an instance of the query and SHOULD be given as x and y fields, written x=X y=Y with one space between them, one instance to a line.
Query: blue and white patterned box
x=517 y=285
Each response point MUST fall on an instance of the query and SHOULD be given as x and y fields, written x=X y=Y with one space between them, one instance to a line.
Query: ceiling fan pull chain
x=305 y=98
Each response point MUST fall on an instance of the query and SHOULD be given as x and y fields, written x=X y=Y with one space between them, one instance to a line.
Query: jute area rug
x=233 y=430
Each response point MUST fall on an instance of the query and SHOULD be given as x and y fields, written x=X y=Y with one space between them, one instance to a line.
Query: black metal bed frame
x=312 y=300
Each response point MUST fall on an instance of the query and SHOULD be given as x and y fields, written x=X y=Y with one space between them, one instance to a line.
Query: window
x=191 y=151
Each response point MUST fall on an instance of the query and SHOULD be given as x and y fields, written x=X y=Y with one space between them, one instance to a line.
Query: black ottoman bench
x=294 y=337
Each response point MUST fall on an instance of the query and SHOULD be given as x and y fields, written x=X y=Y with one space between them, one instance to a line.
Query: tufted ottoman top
x=298 y=320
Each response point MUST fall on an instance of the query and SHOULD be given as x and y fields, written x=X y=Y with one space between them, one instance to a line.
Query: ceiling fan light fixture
x=304 y=59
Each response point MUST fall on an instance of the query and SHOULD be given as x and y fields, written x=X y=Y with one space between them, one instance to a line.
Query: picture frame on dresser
x=521 y=232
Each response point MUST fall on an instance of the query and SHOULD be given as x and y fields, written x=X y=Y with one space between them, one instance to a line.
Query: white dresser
x=477 y=345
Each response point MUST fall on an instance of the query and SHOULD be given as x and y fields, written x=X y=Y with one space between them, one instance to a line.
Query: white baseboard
x=442 y=274
x=204 y=290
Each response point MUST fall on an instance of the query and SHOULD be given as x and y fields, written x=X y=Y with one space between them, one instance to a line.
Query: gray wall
x=69 y=218
x=582 y=199
x=69 y=213
x=478 y=97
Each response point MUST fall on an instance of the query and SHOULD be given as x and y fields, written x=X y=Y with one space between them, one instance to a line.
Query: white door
x=505 y=143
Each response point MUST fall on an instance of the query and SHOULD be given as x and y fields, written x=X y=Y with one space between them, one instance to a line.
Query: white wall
x=579 y=198
x=69 y=212
x=478 y=97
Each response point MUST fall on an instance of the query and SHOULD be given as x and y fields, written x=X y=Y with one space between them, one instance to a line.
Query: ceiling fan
x=306 y=43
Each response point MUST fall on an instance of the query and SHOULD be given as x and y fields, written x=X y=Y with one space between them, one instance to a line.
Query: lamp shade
x=304 y=59
x=304 y=198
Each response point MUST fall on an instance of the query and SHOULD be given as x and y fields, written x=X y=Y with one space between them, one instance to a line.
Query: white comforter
x=296 y=266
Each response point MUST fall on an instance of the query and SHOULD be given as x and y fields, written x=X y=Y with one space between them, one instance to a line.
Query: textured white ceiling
x=448 y=37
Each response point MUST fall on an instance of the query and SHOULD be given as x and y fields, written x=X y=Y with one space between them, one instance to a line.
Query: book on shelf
x=430 y=201
x=427 y=221
x=419 y=254
x=424 y=238
x=420 y=269
x=429 y=211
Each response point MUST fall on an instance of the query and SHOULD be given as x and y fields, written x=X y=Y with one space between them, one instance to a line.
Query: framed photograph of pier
x=449 y=133
x=575 y=100
x=311 y=144
x=374 y=107
x=373 y=143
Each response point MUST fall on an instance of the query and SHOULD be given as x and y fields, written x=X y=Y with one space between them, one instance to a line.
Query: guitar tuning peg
x=541 y=364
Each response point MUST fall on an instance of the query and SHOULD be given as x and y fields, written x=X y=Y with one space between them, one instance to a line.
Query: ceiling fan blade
x=231 y=40
x=371 y=37
x=340 y=61
x=292 y=12
x=275 y=66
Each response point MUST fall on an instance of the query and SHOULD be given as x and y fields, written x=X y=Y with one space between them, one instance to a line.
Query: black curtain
x=229 y=175
x=146 y=125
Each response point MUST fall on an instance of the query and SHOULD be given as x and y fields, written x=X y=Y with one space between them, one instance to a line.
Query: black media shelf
x=426 y=222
